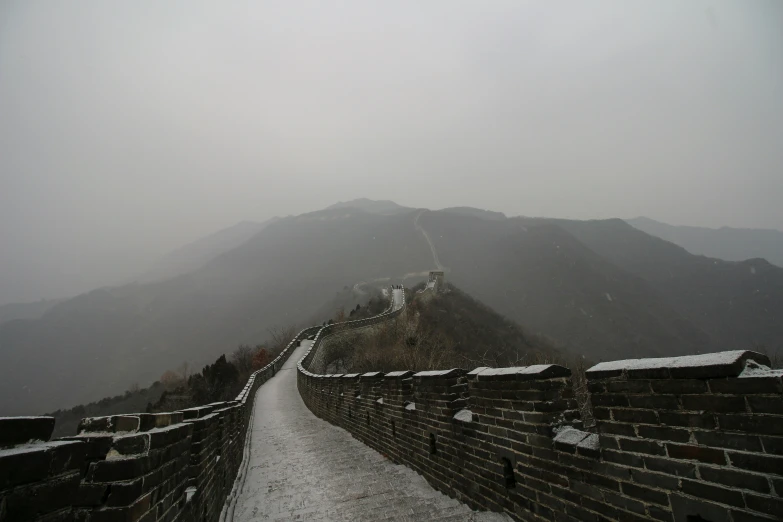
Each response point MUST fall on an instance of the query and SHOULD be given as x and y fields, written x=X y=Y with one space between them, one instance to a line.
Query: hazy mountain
x=13 y=311
x=739 y=303
x=598 y=288
x=476 y=212
x=539 y=275
x=198 y=253
x=382 y=207
x=731 y=244
x=100 y=343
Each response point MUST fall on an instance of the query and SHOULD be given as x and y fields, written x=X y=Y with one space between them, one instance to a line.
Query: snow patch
x=754 y=369
x=570 y=436
x=464 y=416
x=687 y=361
x=591 y=442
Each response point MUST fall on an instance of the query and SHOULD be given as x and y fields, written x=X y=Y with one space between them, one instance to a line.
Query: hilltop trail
x=427 y=237
x=303 y=468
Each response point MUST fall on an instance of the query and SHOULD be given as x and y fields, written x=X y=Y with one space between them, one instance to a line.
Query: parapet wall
x=178 y=466
x=685 y=439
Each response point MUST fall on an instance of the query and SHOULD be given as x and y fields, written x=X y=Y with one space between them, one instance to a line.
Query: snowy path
x=303 y=468
x=427 y=237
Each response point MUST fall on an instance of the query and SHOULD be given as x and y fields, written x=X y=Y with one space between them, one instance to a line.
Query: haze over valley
x=599 y=289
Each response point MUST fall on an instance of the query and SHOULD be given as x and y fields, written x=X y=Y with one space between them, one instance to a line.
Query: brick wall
x=178 y=466
x=685 y=439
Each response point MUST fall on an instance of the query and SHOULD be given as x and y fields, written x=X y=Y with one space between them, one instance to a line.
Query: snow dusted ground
x=303 y=468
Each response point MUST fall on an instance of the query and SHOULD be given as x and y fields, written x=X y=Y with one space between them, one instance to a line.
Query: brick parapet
x=696 y=438
x=176 y=466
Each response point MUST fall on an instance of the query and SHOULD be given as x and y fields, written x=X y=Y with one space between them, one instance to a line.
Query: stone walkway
x=303 y=468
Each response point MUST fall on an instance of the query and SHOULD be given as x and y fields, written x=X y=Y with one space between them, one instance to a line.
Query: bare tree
x=184 y=370
x=242 y=358
x=280 y=336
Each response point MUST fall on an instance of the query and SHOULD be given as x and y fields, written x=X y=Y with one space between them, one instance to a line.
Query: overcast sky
x=129 y=128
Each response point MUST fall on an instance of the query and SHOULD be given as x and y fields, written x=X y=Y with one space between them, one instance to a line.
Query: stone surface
x=22 y=430
x=303 y=468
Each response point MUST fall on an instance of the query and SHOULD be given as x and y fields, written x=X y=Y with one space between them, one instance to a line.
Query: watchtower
x=436 y=280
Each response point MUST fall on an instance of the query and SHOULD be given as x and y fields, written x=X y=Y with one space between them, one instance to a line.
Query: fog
x=130 y=128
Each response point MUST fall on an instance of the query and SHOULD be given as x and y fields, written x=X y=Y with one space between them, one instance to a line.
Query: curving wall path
x=262 y=456
x=303 y=468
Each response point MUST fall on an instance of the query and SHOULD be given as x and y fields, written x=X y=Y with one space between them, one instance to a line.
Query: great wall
x=683 y=439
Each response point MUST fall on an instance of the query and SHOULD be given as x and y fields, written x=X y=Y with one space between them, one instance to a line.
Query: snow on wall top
x=535 y=371
x=704 y=366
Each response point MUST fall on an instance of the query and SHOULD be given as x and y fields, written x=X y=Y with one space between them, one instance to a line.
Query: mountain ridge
x=727 y=243
x=599 y=288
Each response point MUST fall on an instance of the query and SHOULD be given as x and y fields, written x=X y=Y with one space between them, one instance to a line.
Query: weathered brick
x=644 y=493
x=608 y=399
x=714 y=493
x=664 y=433
x=728 y=440
x=750 y=424
x=766 y=404
x=657 y=480
x=624 y=502
x=131 y=444
x=21 y=430
x=747 y=385
x=773 y=445
x=687 y=507
x=672 y=467
x=679 y=386
x=620 y=457
x=733 y=478
x=33 y=500
x=27 y=464
x=765 y=504
x=714 y=403
x=745 y=516
x=642 y=446
x=112 y=423
x=638 y=386
x=760 y=463
x=654 y=402
x=702 y=454
x=124 y=493
x=660 y=513
x=616 y=428
x=693 y=420
x=635 y=416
